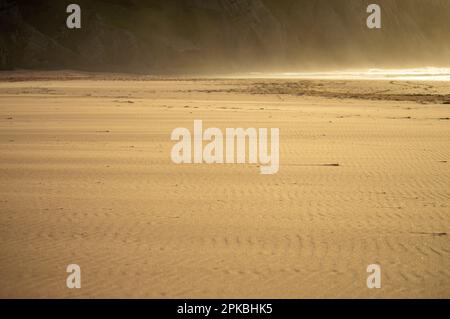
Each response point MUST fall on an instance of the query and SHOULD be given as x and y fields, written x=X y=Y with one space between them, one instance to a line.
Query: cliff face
x=222 y=35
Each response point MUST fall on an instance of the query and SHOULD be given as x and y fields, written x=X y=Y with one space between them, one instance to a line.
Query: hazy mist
x=221 y=36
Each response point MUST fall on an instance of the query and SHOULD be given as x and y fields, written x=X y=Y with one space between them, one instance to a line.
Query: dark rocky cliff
x=222 y=35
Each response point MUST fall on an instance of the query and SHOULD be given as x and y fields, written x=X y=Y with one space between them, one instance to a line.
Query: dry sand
x=86 y=178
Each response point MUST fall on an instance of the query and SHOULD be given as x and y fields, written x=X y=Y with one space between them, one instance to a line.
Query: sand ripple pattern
x=86 y=178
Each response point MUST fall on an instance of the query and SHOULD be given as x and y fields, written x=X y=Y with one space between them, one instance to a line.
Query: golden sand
x=86 y=178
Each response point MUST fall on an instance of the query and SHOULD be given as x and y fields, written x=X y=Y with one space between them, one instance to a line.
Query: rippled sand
x=86 y=178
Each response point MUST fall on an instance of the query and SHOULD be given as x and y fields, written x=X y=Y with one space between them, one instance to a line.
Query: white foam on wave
x=416 y=74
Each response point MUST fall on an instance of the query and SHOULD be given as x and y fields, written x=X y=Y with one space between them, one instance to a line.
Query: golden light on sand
x=87 y=178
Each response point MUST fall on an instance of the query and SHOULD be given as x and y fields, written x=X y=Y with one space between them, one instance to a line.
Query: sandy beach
x=86 y=178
